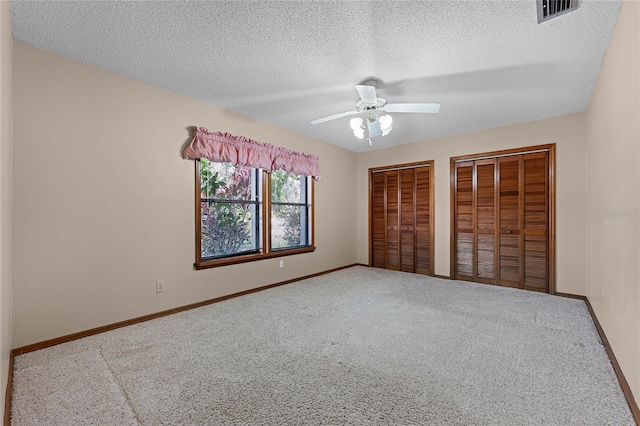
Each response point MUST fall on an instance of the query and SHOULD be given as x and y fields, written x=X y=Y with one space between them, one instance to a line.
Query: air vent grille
x=548 y=9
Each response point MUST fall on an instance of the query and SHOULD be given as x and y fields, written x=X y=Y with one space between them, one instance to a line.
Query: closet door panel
x=393 y=217
x=378 y=225
x=485 y=221
x=407 y=220
x=535 y=223
x=464 y=217
x=509 y=221
x=423 y=221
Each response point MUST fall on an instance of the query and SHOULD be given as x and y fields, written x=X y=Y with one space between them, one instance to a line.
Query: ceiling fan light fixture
x=356 y=123
x=373 y=126
x=370 y=103
x=385 y=122
x=358 y=127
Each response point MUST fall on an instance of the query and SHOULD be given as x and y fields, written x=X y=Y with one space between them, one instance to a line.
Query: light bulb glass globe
x=386 y=131
x=385 y=122
x=359 y=133
x=355 y=123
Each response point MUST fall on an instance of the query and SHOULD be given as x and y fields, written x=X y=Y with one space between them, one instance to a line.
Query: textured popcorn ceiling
x=488 y=63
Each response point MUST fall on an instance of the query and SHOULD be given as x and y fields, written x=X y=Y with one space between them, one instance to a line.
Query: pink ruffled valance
x=224 y=147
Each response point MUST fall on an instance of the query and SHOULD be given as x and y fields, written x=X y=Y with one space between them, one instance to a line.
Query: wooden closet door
x=393 y=218
x=378 y=220
x=401 y=218
x=464 y=221
x=502 y=218
x=423 y=221
x=535 y=223
x=485 y=221
x=509 y=220
x=407 y=220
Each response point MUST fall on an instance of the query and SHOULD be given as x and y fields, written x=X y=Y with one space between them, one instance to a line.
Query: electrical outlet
x=282 y=263
x=159 y=286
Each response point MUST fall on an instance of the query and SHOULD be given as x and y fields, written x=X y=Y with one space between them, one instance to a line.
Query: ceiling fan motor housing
x=364 y=106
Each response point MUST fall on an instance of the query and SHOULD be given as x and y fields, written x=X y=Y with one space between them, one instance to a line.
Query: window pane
x=226 y=181
x=229 y=228
x=288 y=226
x=287 y=187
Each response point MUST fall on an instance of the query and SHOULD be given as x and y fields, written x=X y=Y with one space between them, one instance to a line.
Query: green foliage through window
x=233 y=214
x=288 y=210
x=229 y=216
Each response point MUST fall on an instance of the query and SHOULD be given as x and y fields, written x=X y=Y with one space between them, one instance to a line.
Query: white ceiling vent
x=548 y=9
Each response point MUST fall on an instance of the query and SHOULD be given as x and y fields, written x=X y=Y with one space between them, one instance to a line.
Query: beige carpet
x=358 y=346
x=76 y=388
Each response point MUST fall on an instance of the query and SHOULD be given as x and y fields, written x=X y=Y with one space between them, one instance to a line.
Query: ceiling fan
x=369 y=103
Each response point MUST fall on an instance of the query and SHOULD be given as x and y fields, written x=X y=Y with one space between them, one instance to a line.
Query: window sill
x=250 y=258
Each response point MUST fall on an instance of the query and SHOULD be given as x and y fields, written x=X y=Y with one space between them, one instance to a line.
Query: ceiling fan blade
x=367 y=93
x=424 y=108
x=333 y=117
x=374 y=128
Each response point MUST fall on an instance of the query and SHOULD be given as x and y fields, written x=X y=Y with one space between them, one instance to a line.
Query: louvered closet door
x=401 y=219
x=407 y=220
x=535 y=244
x=378 y=221
x=423 y=221
x=475 y=207
x=464 y=217
x=393 y=217
x=501 y=220
x=509 y=220
x=485 y=221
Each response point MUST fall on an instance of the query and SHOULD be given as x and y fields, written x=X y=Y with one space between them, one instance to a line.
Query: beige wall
x=6 y=57
x=104 y=204
x=567 y=132
x=613 y=184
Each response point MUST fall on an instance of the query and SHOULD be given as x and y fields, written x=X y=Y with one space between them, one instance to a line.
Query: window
x=289 y=210
x=229 y=210
x=246 y=214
